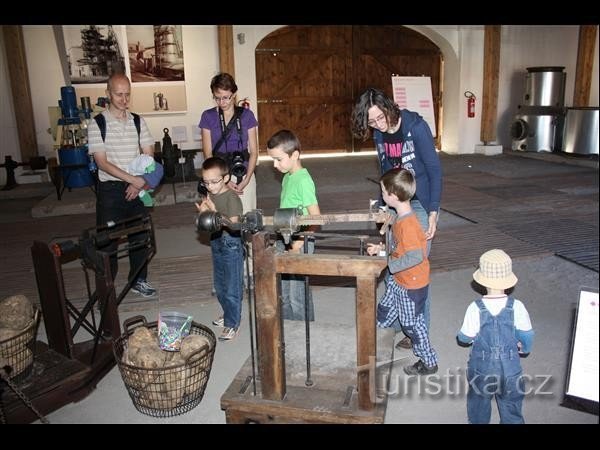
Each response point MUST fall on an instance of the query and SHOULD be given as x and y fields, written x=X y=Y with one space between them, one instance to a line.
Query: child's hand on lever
x=206 y=205
x=374 y=249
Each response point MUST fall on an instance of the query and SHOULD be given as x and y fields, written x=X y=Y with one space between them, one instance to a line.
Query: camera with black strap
x=235 y=160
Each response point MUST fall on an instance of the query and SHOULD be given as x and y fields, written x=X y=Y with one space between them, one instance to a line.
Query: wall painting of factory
x=94 y=52
x=155 y=53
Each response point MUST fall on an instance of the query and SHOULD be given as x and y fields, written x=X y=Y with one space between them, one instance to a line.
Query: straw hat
x=495 y=270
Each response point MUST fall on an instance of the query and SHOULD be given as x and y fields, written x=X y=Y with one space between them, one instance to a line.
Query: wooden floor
x=527 y=207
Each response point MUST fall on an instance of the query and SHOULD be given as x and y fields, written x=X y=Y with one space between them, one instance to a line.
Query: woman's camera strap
x=226 y=129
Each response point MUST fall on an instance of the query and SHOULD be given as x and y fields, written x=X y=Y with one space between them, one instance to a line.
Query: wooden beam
x=226 y=61
x=329 y=265
x=585 y=64
x=366 y=341
x=20 y=90
x=271 y=357
x=491 y=70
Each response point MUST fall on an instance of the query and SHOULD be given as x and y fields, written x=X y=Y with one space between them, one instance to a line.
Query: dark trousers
x=111 y=205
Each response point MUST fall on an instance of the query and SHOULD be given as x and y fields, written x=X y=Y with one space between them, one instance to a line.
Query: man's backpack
x=101 y=121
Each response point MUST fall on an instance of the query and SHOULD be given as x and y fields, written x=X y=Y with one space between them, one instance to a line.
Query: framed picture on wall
x=153 y=62
x=157 y=68
x=155 y=53
x=93 y=52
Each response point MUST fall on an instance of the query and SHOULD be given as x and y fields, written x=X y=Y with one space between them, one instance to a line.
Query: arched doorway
x=308 y=78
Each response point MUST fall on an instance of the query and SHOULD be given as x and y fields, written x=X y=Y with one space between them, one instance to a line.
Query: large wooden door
x=304 y=84
x=308 y=78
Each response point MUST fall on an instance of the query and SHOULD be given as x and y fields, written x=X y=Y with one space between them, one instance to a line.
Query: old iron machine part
x=67 y=371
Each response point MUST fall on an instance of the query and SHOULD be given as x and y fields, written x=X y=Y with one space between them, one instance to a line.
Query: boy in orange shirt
x=408 y=282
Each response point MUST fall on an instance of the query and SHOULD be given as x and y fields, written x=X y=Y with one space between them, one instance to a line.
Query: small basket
x=171 y=390
x=18 y=351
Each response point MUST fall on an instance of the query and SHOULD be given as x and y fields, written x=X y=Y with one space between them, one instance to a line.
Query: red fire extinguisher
x=245 y=103
x=470 y=104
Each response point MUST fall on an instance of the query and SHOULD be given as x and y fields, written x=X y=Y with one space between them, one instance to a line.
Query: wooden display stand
x=343 y=396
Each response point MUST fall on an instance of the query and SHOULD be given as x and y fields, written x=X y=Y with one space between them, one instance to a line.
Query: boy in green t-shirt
x=297 y=191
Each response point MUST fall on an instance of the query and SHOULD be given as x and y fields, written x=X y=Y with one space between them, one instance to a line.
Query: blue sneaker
x=143 y=288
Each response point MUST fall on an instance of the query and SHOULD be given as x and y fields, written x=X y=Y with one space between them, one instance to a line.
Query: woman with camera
x=230 y=132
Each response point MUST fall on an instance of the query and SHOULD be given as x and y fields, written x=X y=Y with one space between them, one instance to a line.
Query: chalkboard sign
x=414 y=94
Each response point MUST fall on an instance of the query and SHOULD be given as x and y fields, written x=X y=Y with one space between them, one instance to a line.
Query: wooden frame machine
x=274 y=399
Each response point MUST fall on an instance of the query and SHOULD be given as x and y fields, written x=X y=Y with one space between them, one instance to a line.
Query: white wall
x=531 y=46
x=462 y=48
x=45 y=75
x=447 y=38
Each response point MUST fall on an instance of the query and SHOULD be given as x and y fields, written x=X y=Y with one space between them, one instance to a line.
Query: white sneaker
x=228 y=334
x=219 y=322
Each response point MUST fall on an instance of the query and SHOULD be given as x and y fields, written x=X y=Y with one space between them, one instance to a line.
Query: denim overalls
x=494 y=368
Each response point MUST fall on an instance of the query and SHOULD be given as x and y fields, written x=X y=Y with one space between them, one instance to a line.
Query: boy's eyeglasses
x=224 y=99
x=209 y=182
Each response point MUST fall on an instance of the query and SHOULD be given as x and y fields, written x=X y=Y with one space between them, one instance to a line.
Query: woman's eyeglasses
x=224 y=98
x=376 y=120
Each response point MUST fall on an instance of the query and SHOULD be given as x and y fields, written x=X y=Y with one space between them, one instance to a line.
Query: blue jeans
x=293 y=292
x=423 y=218
x=228 y=264
x=112 y=206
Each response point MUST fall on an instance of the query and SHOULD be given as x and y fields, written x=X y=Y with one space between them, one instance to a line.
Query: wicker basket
x=18 y=351
x=170 y=390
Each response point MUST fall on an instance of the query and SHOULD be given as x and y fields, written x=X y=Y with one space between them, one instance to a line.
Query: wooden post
x=51 y=289
x=269 y=324
x=491 y=69
x=366 y=269
x=226 y=61
x=366 y=340
x=20 y=90
x=585 y=64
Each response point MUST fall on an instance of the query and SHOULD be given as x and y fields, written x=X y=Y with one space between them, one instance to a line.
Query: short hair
x=223 y=81
x=401 y=182
x=216 y=162
x=286 y=140
x=116 y=75
x=360 y=114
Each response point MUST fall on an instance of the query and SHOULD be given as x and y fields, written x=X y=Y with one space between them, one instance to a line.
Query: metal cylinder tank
x=545 y=86
x=581 y=131
x=537 y=129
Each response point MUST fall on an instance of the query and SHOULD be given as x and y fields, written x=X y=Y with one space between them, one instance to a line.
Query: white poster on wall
x=583 y=371
x=414 y=94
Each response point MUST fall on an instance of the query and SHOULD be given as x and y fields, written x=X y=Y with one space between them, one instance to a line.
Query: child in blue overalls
x=500 y=330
